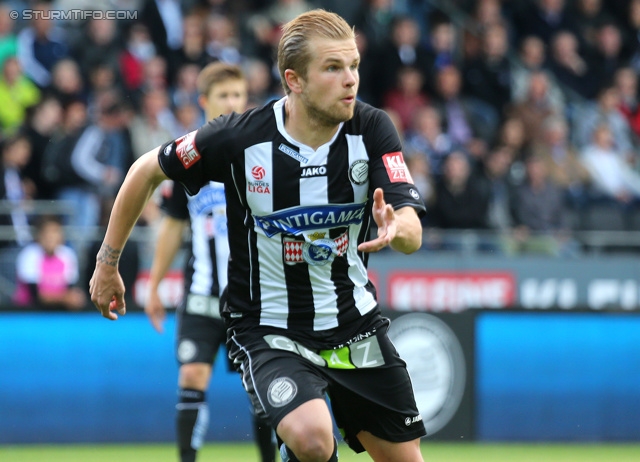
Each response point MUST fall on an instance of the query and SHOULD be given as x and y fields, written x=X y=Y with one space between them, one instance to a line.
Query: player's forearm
x=167 y=246
x=143 y=178
x=408 y=236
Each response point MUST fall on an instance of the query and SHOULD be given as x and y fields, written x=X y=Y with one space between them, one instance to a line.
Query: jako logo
x=258 y=172
x=313 y=171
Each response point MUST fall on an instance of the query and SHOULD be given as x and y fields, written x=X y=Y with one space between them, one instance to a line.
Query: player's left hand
x=385 y=218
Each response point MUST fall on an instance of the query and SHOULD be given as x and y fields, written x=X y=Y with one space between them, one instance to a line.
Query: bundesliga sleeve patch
x=396 y=168
x=186 y=149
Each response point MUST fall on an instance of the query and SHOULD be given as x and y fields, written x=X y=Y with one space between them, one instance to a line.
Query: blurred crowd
x=517 y=116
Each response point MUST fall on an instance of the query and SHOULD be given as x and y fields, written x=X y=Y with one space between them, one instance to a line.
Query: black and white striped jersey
x=205 y=270
x=296 y=215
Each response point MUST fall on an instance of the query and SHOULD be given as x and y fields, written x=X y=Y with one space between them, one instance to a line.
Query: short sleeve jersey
x=205 y=271
x=296 y=215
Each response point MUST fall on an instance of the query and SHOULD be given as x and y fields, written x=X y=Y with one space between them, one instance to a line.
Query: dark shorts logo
x=359 y=172
x=187 y=350
x=282 y=391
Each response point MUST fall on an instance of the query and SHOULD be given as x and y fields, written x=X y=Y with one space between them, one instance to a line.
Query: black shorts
x=200 y=330
x=366 y=381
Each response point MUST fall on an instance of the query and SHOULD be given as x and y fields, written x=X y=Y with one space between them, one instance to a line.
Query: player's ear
x=202 y=102
x=294 y=82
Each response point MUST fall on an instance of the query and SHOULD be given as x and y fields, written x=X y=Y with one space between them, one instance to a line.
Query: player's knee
x=195 y=375
x=313 y=450
x=313 y=446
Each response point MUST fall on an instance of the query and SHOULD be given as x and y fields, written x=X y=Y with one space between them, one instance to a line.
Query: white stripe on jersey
x=357 y=271
x=259 y=171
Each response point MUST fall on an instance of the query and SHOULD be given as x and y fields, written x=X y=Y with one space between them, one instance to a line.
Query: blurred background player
x=200 y=330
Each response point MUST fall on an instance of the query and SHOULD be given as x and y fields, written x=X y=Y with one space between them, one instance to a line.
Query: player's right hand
x=155 y=311
x=107 y=291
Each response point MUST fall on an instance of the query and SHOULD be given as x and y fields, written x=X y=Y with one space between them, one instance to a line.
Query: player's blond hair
x=293 y=49
x=215 y=73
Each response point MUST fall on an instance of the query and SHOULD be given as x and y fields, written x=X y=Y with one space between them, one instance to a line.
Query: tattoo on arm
x=108 y=255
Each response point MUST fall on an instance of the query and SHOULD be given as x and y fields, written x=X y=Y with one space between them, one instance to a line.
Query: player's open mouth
x=349 y=99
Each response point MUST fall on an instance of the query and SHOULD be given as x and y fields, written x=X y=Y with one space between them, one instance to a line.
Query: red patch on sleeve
x=186 y=149
x=396 y=168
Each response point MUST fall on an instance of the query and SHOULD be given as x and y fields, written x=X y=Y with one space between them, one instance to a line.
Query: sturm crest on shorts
x=282 y=391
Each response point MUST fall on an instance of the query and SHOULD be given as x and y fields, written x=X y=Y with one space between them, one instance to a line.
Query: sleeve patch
x=396 y=168
x=186 y=149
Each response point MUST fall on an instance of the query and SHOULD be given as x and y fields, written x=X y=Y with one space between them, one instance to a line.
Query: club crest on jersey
x=316 y=250
x=186 y=149
x=359 y=172
x=292 y=153
x=396 y=168
x=309 y=172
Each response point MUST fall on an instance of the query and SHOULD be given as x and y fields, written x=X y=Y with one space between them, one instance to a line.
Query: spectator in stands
x=588 y=16
x=75 y=118
x=459 y=199
x=539 y=214
x=406 y=98
x=532 y=58
x=631 y=33
x=193 y=49
x=513 y=133
x=544 y=19
x=608 y=53
x=14 y=187
x=562 y=161
x=223 y=43
x=40 y=46
x=88 y=164
x=67 y=83
x=536 y=108
x=102 y=79
x=374 y=21
x=99 y=46
x=403 y=50
x=570 y=68
x=185 y=90
x=261 y=85
x=487 y=13
x=47 y=271
x=154 y=75
x=44 y=120
x=488 y=77
x=442 y=44
x=138 y=51
x=468 y=121
x=150 y=128
x=17 y=93
x=612 y=177
x=494 y=173
x=8 y=38
x=605 y=108
x=188 y=117
x=163 y=20
x=626 y=83
x=420 y=170
x=427 y=139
